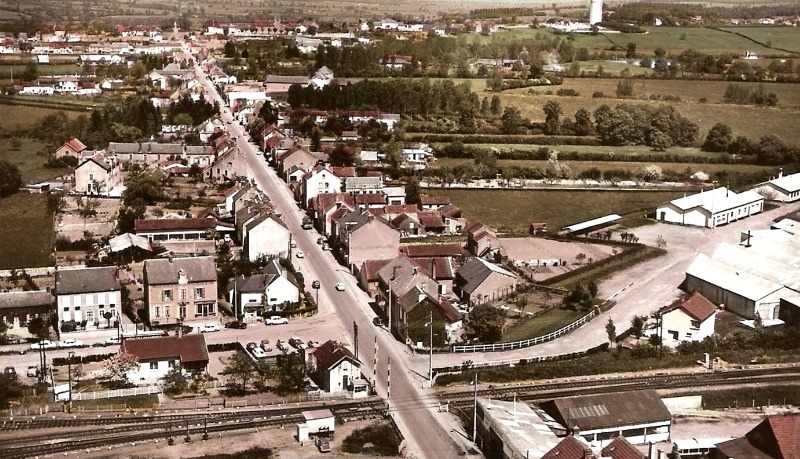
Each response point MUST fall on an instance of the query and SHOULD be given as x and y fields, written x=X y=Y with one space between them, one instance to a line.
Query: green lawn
x=43 y=69
x=16 y=117
x=30 y=159
x=513 y=210
x=542 y=324
x=26 y=232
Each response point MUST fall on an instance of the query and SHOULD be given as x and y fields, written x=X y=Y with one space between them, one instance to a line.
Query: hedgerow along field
x=513 y=210
x=27 y=231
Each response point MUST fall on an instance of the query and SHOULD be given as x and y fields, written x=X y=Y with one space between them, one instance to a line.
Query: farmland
x=30 y=159
x=26 y=232
x=16 y=117
x=513 y=210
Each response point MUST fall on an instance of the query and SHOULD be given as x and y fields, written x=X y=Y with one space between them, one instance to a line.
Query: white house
x=690 y=318
x=335 y=369
x=158 y=356
x=783 y=189
x=88 y=294
x=317 y=423
x=267 y=235
x=418 y=156
x=317 y=181
x=267 y=292
x=711 y=208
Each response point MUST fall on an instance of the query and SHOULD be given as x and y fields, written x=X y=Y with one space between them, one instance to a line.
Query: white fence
x=117 y=393
x=528 y=342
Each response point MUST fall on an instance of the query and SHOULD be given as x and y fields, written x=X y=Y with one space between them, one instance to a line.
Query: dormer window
x=182 y=276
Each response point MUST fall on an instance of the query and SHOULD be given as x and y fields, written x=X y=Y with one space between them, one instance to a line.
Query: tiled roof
x=369 y=198
x=620 y=448
x=432 y=250
x=199 y=150
x=187 y=348
x=284 y=79
x=331 y=353
x=439 y=268
x=174 y=224
x=370 y=268
x=87 y=280
x=162 y=271
x=252 y=284
x=10 y=300
x=779 y=435
x=695 y=305
x=450 y=211
x=431 y=219
x=569 y=448
x=434 y=200
x=74 y=145
x=342 y=172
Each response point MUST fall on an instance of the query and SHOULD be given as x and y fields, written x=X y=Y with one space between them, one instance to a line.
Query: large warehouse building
x=711 y=208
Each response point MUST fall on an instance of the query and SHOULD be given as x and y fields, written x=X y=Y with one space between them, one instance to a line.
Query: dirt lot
x=72 y=225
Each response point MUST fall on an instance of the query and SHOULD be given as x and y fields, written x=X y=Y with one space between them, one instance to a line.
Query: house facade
x=72 y=147
x=180 y=290
x=785 y=188
x=267 y=235
x=319 y=181
x=97 y=175
x=711 y=208
x=88 y=294
x=334 y=368
x=372 y=239
x=262 y=294
x=691 y=318
x=479 y=281
x=17 y=308
x=158 y=356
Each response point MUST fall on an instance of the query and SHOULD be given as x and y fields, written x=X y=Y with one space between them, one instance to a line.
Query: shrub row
x=502 y=138
x=81 y=359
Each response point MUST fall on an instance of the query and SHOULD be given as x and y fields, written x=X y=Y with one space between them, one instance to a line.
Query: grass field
x=513 y=210
x=14 y=117
x=26 y=232
x=44 y=70
x=542 y=324
x=30 y=158
x=579 y=166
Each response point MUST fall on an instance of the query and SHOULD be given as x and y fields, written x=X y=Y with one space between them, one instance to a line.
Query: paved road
x=647 y=286
x=413 y=408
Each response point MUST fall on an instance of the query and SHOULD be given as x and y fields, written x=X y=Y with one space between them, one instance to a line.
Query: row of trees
x=768 y=150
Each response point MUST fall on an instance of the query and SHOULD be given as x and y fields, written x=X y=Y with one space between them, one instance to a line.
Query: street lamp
x=430 y=349
x=70 y=356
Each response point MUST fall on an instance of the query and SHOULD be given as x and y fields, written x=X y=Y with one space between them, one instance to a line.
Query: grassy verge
x=26 y=232
x=511 y=211
x=544 y=323
x=375 y=440
x=137 y=402
x=252 y=453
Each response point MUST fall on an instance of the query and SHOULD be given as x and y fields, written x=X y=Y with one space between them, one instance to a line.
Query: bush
x=598 y=95
x=567 y=92
x=375 y=440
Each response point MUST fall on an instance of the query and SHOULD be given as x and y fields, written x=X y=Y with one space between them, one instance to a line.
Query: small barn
x=318 y=423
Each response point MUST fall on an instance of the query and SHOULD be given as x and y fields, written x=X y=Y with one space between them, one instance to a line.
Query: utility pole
x=475 y=409
x=430 y=345
x=355 y=339
x=70 y=356
x=375 y=366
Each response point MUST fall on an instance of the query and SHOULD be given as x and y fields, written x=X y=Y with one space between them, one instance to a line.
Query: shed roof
x=739 y=282
x=476 y=270
x=34 y=298
x=788 y=183
x=174 y=224
x=331 y=353
x=620 y=448
x=602 y=411
x=163 y=271
x=695 y=305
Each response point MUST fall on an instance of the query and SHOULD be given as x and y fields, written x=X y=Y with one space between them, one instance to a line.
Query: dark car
x=10 y=371
x=236 y=324
x=377 y=321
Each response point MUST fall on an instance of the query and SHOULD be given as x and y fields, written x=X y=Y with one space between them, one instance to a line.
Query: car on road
x=210 y=327
x=70 y=342
x=299 y=254
x=313 y=343
x=320 y=240
x=276 y=320
x=33 y=370
x=377 y=321
x=112 y=341
x=44 y=344
x=238 y=325
x=339 y=286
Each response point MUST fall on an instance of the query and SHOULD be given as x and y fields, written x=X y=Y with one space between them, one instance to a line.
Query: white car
x=46 y=344
x=113 y=340
x=206 y=328
x=299 y=254
x=339 y=286
x=70 y=342
x=276 y=320
x=258 y=353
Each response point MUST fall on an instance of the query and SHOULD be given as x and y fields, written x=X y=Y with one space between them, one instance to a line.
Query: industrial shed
x=711 y=208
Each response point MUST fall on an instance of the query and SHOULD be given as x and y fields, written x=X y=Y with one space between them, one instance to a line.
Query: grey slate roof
x=87 y=280
x=590 y=412
x=11 y=300
x=473 y=274
x=164 y=271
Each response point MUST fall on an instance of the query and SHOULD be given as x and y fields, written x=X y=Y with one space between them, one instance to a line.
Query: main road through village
x=411 y=406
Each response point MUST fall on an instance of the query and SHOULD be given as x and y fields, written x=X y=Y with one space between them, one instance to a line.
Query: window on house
x=154 y=365
x=199 y=293
x=66 y=309
x=695 y=324
x=166 y=311
x=183 y=294
x=166 y=295
x=101 y=306
x=77 y=308
x=112 y=305
x=172 y=364
x=156 y=312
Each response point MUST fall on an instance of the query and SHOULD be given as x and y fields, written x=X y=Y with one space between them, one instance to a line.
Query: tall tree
x=486 y=322
x=552 y=119
x=719 y=137
x=511 y=121
x=611 y=331
x=10 y=178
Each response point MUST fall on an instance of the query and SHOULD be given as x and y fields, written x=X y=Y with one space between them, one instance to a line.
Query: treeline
x=768 y=150
x=403 y=96
x=656 y=127
x=673 y=14
x=193 y=111
x=494 y=13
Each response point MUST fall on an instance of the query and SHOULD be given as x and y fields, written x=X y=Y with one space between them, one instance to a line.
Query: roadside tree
x=486 y=323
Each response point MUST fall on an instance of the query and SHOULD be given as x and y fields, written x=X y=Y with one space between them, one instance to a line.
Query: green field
x=14 y=117
x=43 y=69
x=30 y=159
x=513 y=210
x=26 y=232
x=541 y=325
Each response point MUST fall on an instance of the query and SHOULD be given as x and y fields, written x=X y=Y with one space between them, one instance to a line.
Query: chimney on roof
x=170 y=258
x=780 y=174
x=415 y=270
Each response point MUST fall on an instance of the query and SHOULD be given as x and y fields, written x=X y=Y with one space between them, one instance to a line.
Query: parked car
x=70 y=342
x=258 y=353
x=113 y=340
x=33 y=370
x=10 y=371
x=297 y=343
x=377 y=321
x=276 y=320
x=236 y=324
x=324 y=444
x=281 y=344
x=211 y=327
x=320 y=240
x=340 y=286
x=313 y=343
x=251 y=345
x=45 y=344
x=265 y=345
x=299 y=254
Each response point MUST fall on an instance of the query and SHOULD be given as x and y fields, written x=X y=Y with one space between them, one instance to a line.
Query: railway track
x=43 y=441
x=549 y=390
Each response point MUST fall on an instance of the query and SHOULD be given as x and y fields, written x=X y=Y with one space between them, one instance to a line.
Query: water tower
x=595 y=12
